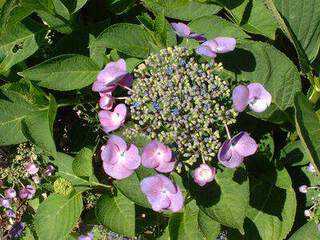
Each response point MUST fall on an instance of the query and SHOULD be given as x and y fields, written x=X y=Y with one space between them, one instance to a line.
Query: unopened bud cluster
x=177 y=99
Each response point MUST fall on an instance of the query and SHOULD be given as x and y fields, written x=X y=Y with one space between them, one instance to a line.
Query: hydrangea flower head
x=159 y=156
x=216 y=46
x=119 y=159
x=254 y=95
x=110 y=75
x=27 y=192
x=234 y=150
x=162 y=194
x=112 y=120
x=183 y=30
x=179 y=100
x=204 y=174
x=10 y=193
x=32 y=168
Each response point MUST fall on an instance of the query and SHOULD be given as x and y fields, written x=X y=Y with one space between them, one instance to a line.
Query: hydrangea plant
x=159 y=119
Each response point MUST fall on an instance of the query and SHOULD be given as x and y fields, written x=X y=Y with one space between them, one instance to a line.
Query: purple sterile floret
x=10 y=193
x=162 y=194
x=112 y=120
x=88 y=236
x=216 y=46
x=4 y=202
x=159 y=156
x=32 y=168
x=254 y=95
x=183 y=30
x=27 y=192
x=119 y=160
x=234 y=150
x=16 y=230
x=204 y=174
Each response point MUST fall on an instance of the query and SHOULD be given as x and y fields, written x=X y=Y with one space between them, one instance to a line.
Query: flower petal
x=119 y=142
x=224 y=44
x=106 y=102
x=109 y=121
x=205 y=51
x=148 y=158
x=244 y=145
x=121 y=109
x=259 y=98
x=240 y=98
x=132 y=158
x=198 y=37
x=181 y=29
x=116 y=171
x=176 y=201
x=165 y=167
x=126 y=81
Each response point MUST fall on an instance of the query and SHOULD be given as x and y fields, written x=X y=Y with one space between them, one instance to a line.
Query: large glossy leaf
x=182 y=9
x=37 y=128
x=63 y=73
x=82 y=163
x=19 y=42
x=57 y=215
x=309 y=231
x=20 y=101
x=214 y=26
x=130 y=186
x=308 y=128
x=117 y=213
x=303 y=18
x=226 y=200
x=184 y=225
x=261 y=62
x=128 y=38
x=272 y=207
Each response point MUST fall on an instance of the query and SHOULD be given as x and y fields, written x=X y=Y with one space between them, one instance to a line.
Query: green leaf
x=303 y=19
x=130 y=187
x=82 y=163
x=308 y=231
x=182 y=9
x=209 y=228
x=63 y=73
x=308 y=128
x=127 y=38
x=20 y=101
x=161 y=27
x=272 y=207
x=255 y=18
x=184 y=225
x=57 y=215
x=261 y=62
x=37 y=128
x=117 y=213
x=226 y=200
x=19 y=42
x=293 y=154
x=61 y=9
x=214 y=26
x=74 y=5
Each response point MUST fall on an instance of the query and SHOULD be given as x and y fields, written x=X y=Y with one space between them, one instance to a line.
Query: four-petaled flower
x=161 y=193
x=184 y=31
x=10 y=193
x=112 y=120
x=218 y=45
x=27 y=192
x=32 y=168
x=159 y=156
x=234 y=150
x=119 y=160
x=113 y=74
x=204 y=174
x=254 y=95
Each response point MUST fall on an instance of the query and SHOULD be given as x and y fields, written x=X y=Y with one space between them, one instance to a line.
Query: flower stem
x=227 y=130
x=121 y=98
x=315 y=95
x=127 y=88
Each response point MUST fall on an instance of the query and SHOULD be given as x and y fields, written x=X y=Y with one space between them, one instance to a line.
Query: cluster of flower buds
x=20 y=177
x=180 y=101
x=313 y=211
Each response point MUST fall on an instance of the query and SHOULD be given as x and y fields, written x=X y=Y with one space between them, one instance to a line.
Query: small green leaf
x=127 y=38
x=57 y=215
x=308 y=231
x=308 y=128
x=161 y=28
x=82 y=163
x=182 y=9
x=63 y=73
x=209 y=228
x=117 y=213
